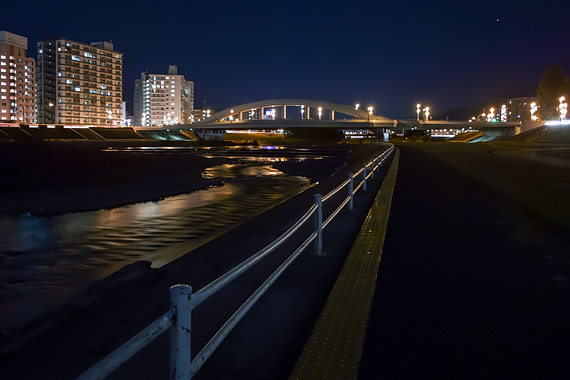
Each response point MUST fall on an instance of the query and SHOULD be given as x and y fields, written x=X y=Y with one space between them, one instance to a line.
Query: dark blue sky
x=387 y=54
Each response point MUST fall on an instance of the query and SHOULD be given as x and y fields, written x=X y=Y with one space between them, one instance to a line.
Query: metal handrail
x=210 y=289
x=217 y=339
x=338 y=209
x=336 y=190
x=112 y=361
x=184 y=304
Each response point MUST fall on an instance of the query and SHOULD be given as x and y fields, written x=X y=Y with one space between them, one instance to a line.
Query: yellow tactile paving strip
x=335 y=346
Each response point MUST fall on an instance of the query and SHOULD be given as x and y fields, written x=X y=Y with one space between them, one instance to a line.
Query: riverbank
x=106 y=303
x=49 y=179
x=52 y=179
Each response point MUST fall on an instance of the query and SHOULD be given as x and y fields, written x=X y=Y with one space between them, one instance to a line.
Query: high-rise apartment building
x=78 y=83
x=17 y=80
x=163 y=99
x=518 y=109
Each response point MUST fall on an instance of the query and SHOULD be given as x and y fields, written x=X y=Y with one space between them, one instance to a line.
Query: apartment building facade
x=17 y=80
x=518 y=109
x=163 y=99
x=79 y=84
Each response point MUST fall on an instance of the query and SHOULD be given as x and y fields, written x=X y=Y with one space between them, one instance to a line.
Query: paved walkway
x=471 y=285
x=335 y=346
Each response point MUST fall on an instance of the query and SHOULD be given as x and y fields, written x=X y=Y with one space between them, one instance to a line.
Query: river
x=46 y=260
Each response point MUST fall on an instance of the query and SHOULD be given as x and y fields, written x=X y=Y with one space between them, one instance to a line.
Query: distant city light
x=418 y=107
x=504 y=113
x=557 y=122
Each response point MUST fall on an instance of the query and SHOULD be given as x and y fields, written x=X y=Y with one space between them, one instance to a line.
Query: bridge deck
x=335 y=346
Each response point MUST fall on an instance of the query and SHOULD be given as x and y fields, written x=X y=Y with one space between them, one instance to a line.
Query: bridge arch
x=237 y=111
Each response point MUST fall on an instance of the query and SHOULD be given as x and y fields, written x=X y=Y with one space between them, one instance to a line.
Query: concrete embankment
x=266 y=343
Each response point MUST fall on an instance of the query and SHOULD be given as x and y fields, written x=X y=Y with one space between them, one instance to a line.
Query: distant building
x=17 y=80
x=163 y=99
x=199 y=115
x=518 y=109
x=79 y=83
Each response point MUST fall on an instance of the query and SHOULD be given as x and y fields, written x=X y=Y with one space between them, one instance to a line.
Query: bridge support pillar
x=332 y=114
x=308 y=112
x=284 y=111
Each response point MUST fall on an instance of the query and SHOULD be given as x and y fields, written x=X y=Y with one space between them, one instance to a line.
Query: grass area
x=539 y=188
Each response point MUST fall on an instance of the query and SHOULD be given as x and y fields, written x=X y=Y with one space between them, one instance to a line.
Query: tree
x=553 y=85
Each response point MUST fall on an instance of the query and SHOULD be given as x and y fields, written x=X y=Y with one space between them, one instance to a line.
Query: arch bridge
x=296 y=113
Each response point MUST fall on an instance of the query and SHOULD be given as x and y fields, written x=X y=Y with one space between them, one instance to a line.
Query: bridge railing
x=182 y=301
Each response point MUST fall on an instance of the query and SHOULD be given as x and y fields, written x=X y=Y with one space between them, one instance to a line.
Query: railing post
x=378 y=163
x=364 y=178
x=319 y=225
x=350 y=191
x=180 y=333
x=373 y=169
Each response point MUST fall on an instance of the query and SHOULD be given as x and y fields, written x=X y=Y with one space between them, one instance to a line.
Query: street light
x=418 y=106
x=357 y=106
x=491 y=115
x=533 y=109
x=370 y=110
x=563 y=108
x=426 y=113
x=302 y=110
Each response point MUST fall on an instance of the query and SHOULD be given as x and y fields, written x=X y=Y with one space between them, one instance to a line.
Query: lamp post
x=370 y=112
x=302 y=111
x=357 y=106
x=533 y=109
x=320 y=111
x=563 y=108
x=418 y=107
x=491 y=115
x=426 y=114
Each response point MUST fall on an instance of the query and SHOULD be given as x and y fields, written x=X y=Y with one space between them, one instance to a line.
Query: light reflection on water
x=44 y=260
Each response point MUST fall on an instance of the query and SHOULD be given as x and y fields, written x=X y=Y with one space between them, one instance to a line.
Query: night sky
x=387 y=54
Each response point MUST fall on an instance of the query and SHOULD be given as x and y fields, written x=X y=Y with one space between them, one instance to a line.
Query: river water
x=46 y=260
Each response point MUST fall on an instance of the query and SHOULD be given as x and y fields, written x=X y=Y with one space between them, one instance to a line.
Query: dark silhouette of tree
x=553 y=85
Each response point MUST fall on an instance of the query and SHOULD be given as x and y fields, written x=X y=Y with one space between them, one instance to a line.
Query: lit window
x=77 y=89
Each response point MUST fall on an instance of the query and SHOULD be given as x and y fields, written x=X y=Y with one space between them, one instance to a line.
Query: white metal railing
x=183 y=301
